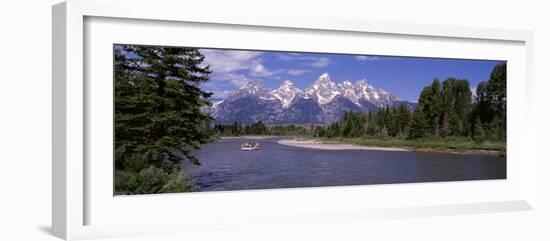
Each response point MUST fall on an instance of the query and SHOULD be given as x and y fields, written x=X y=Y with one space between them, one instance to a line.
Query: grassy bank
x=431 y=144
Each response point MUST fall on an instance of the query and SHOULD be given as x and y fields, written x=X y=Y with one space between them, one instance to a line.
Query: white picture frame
x=73 y=191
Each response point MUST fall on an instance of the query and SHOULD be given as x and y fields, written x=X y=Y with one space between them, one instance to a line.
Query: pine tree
x=158 y=104
x=371 y=124
x=383 y=133
x=393 y=123
x=436 y=128
x=463 y=103
x=418 y=125
x=496 y=90
x=334 y=130
x=347 y=125
x=455 y=125
x=479 y=133
x=444 y=129
x=431 y=102
x=403 y=118
x=358 y=127
x=490 y=103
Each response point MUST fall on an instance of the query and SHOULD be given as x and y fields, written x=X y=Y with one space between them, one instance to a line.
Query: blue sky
x=403 y=76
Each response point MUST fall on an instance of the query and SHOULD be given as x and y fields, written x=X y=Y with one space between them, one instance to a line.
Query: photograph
x=193 y=119
x=275 y=120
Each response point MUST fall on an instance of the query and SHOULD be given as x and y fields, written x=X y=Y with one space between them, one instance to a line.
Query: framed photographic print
x=304 y=131
x=205 y=122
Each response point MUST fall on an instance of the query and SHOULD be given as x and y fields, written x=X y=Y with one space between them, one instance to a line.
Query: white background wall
x=25 y=122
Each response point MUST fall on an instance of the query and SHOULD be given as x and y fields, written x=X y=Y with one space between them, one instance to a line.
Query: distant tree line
x=259 y=128
x=444 y=109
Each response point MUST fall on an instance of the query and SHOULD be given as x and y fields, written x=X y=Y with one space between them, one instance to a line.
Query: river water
x=225 y=167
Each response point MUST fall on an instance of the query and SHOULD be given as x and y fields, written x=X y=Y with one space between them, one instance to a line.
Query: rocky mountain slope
x=323 y=102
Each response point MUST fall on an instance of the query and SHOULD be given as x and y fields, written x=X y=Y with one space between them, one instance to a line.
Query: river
x=225 y=167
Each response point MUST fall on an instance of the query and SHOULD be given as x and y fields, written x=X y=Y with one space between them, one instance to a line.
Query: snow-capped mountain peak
x=286 y=93
x=349 y=91
x=346 y=84
x=362 y=83
x=324 y=101
x=323 y=89
x=324 y=76
x=287 y=85
x=252 y=88
x=363 y=89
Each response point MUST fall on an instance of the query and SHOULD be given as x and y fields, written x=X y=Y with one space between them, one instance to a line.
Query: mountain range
x=323 y=102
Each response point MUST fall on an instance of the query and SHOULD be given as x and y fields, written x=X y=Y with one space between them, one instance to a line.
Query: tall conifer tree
x=158 y=104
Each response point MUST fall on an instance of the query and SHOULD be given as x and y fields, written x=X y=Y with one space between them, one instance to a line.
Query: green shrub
x=178 y=182
x=135 y=162
x=152 y=180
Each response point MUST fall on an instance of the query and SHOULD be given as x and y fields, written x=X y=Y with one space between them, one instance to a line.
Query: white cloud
x=365 y=58
x=237 y=80
x=259 y=70
x=226 y=81
x=225 y=61
x=317 y=62
x=320 y=62
x=221 y=93
x=297 y=72
x=228 y=65
x=232 y=69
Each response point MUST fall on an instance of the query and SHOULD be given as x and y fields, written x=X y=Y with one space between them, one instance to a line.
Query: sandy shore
x=315 y=144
